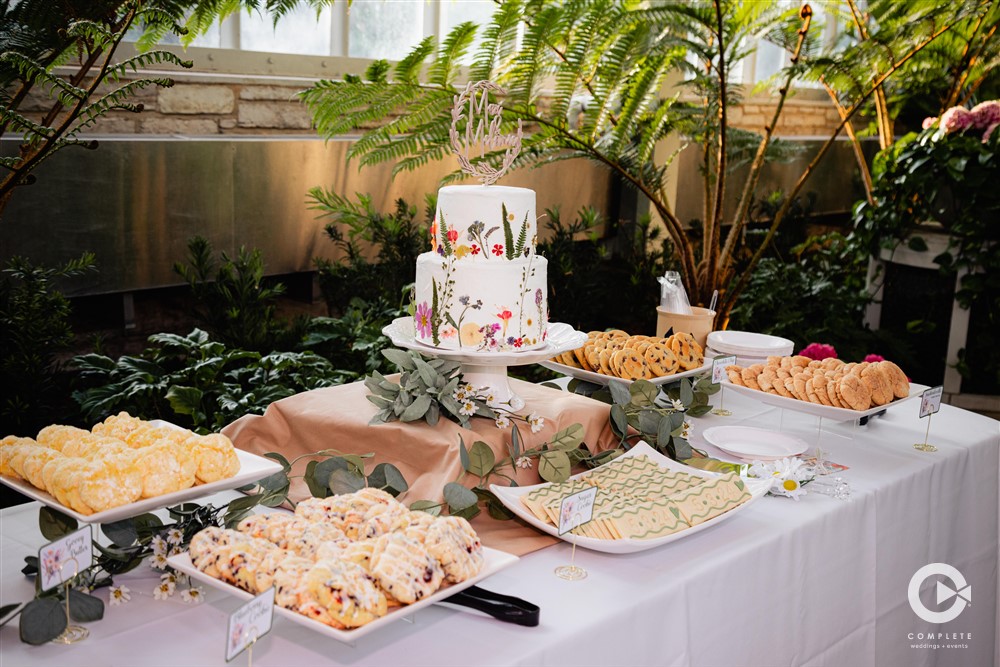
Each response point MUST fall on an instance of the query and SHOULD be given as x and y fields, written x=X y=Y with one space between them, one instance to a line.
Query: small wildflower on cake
x=164 y=590
x=536 y=422
x=193 y=595
x=523 y=462
x=497 y=249
x=452 y=235
x=158 y=561
x=461 y=251
x=118 y=595
x=503 y=421
x=422 y=319
x=159 y=545
x=175 y=536
x=475 y=249
x=505 y=315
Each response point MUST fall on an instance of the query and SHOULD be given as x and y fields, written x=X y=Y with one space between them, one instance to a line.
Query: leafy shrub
x=34 y=328
x=353 y=341
x=819 y=297
x=396 y=238
x=196 y=382
x=235 y=303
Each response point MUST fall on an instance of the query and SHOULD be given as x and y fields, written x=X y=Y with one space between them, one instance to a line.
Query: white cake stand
x=489 y=369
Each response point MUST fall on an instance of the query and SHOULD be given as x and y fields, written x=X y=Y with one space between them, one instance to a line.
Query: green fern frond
x=32 y=71
x=453 y=49
x=33 y=132
x=96 y=35
x=10 y=163
x=499 y=41
x=408 y=69
x=143 y=60
x=117 y=99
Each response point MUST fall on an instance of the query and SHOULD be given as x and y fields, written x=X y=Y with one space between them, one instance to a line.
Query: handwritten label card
x=249 y=623
x=576 y=509
x=61 y=560
x=719 y=367
x=930 y=401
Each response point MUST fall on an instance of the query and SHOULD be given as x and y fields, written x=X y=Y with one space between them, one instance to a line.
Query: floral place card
x=249 y=623
x=62 y=559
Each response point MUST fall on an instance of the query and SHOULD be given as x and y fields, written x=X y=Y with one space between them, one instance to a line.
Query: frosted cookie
x=165 y=468
x=455 y=545
x=711 y=498
x=404 y=569
x=214 y=455
x=346 y=592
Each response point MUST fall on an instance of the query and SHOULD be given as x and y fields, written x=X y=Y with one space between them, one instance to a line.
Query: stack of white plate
x=749 y=348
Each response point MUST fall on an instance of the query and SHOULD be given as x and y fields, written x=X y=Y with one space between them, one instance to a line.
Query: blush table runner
x=428 y=456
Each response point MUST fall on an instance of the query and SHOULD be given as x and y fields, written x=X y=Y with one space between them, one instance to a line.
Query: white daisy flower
x=169 y=577
x=677 y=403
x=790 y=487
x=470 y=390
x=176 y=549
x=459 y=394
x=175 y=536
x=468 y=408
x=503 y=421
x=535 y=422
x=119 y=595
x=159 y=545
x=523 y=462
x=193 y=595
x=163 y=591
x=490 y=399
x=158 y=561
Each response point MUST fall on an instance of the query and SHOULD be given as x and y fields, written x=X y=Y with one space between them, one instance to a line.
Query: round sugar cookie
x=404 y=569
x=455 y=545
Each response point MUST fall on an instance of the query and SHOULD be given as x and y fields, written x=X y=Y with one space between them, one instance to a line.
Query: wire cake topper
x=482 y=129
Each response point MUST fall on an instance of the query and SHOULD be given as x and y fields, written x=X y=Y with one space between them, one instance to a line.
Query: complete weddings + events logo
x=957 y=589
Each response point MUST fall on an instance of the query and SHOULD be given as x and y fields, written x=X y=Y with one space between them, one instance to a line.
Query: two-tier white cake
x=482 y=287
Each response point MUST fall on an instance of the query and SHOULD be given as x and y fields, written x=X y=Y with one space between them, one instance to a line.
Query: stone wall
x=210 y=104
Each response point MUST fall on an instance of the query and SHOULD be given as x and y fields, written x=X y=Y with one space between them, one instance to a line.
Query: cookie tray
x=495 y=561
x=510 y=496
x=600 y=378
x=816 y=410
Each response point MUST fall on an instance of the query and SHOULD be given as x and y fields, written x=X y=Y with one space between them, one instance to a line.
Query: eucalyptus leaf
x=682 y=449
x=147 y=524
x=345 y=481
x=663 y=434
x=121 y=533
x=481 y=459
x=42 y=620
x=649 y=421
x=687 y=394
x=85 y=608
x=469 y=513
x=463 y=455
x=400 y=359
x=317 y=488
x=356 y=463
x=274 y=482
x=699 y=411
x=458 y=497
x=618 y=420
x=554 y=466
x=429 y=506
x=9 y=611
x=643 y=393
x=496 y=510
x=515 y=442
x=387 y=476
x=285 y=464
x=620 y=393
x=568 y=438
x=54 y=524
x=417 y=409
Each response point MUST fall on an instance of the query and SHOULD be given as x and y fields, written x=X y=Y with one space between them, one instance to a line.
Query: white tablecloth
x=813 y=582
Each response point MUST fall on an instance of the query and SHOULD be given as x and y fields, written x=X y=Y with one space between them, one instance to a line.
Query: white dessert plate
x=511 y=498
x=748 y=342
x=600 y=378
x=816 y=410
x=559 y=338
x=252 y=468
x=754 y=444
x=495 y=561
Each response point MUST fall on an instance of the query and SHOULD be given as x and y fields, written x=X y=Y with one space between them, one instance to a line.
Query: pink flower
x=929 y=122
x=518 y=342
x=872 y=358
x=452 y=235
x=497 y=249
x=956 y=119
x=986 y=114
x=819 y=351
x=989 y=132
x=422 y=318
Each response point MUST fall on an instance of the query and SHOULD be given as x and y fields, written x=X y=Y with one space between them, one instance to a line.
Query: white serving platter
x=252 y=468
x=817 y=410
x=495 y=561
x=600 y=378
x=754 y=444
x=511 y=498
